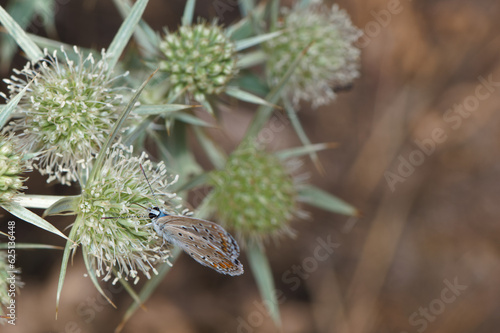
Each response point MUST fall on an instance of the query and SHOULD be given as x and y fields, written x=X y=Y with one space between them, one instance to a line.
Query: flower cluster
x=199 y=59
x=254 y=194
x=331 y=60
x=67 y=113
x=119 y=193
x=11 y=167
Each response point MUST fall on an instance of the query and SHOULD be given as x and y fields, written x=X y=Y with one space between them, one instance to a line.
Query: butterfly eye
x=154 y=212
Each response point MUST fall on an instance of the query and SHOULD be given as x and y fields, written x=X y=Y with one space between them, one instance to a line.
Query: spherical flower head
x=11 y=168
x=6 y=280
x=330 y=61
x=199 y=59
x=67 y=112
x=254 y=194
x=119 y=192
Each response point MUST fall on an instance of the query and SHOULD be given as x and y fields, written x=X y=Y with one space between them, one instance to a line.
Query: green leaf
x=144 y=35
x=164 y=110
x=190 y=119
x=65 y=204
x=31 y=246
x=37 y=200
x=214 y=153
x=126 y=30
x=304 y=150
x=187 y=17
x=324 y=200
x=264 y=278
x=297 y=125
x=21 y=12
x=32 y=51
x=247 y=97
x=149 y=287
x=251 y=59
x=93 y=277
x=9 y=108
x=252 y=41
x=252 y=83
x=239 y=30
x=26 y=215
x=265 y=111
x=246 y=6
x=64 y=263
x=116 y=128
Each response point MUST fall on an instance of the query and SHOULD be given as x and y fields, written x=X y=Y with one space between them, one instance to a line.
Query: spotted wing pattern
x=206 y=242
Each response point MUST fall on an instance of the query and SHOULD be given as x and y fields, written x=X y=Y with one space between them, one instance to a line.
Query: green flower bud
x=199 y=59
x=254 y=194
x=11 y=168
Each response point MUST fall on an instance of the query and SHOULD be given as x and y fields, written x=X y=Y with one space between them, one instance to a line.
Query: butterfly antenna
x=149 y=184
x=121 y=217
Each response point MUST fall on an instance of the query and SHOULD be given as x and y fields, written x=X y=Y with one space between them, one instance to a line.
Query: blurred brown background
x=419 y=138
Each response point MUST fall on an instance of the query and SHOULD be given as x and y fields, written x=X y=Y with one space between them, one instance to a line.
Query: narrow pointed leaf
x=126 y=30
x=187 y=17
x=297 y=125
x=116 y=128
x=38 y=201
x=304 y=150
x=208 y=106
x=190 y=119
x=214 y=153
x=261 y=271
x=93 y=277
x=9 y=108
x=65 y=204
x=264 y=112
x=31 y=246
x=64 y=263
x=252 y=41
x=21 y=12
x=167 y=109
x=247 y=97
x=246 y=6
x=27 y=215
x=324 y=200
x=32 y=51
x=148 y=288
x=142 y=33
x=251 y=59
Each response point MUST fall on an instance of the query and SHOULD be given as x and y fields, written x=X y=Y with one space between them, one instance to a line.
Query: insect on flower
x=206 y=242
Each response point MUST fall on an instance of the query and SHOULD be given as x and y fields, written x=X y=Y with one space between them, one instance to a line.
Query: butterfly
x=206 y=242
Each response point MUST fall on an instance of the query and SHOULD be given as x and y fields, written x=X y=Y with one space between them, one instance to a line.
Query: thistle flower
x=11 y=167
x=199 y=59
x=122 y=243
x=7 y=283
x=254 y=194
x=67 y=113
x=330 y=61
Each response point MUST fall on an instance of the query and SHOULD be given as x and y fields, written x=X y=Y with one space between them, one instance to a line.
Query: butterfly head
x=156 y=212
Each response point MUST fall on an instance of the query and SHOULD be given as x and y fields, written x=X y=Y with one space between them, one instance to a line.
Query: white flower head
x=67 y=112
x=331 y=59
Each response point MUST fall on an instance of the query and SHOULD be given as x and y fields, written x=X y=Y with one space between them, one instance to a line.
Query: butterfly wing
x=206 y=242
